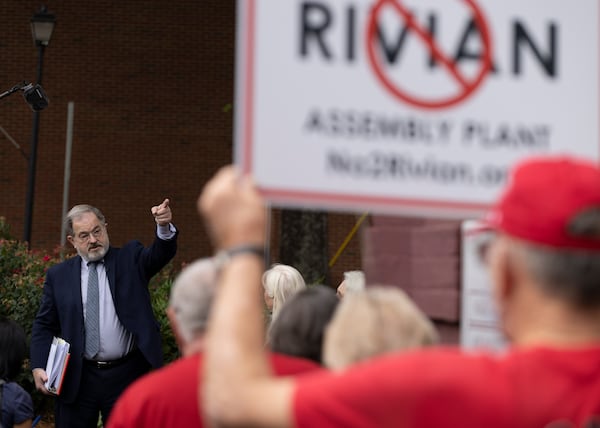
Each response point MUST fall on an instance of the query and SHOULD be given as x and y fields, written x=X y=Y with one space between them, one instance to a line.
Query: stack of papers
x=58 y=359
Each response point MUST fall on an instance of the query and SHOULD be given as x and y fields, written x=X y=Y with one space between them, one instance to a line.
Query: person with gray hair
x=168 y=397
x=375 y=321
x=281 y=282
x=354 y=280
x=189 y=304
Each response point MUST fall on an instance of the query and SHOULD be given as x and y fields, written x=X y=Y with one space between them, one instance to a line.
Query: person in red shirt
x=168 y=397
x=545 y=267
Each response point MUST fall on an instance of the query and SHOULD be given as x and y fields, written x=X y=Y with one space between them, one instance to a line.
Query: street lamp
x=42 y=25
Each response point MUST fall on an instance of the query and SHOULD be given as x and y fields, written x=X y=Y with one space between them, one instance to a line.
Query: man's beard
x=96 y=255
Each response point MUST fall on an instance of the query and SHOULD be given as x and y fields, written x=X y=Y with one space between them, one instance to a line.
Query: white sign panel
x=479 y=323
x=411 y=106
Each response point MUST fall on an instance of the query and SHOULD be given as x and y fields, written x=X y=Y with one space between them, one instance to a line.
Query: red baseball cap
x=544 y=194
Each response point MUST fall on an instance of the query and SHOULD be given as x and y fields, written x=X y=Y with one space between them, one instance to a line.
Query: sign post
x=479 y=321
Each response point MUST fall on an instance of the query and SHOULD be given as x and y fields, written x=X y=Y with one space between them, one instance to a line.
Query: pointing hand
x=162 y=213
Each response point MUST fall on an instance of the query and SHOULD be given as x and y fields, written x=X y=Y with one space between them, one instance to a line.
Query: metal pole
x=33 y=157
x=67 y=179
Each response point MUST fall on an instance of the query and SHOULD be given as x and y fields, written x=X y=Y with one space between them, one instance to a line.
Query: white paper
x=57 y=360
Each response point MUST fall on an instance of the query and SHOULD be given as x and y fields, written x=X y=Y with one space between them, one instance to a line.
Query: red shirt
x=168 y=397
x=444 y=387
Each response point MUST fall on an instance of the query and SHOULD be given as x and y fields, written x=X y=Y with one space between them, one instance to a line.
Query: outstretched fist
x=233 y=210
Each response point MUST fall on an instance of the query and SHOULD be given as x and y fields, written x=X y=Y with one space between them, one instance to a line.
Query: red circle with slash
x=467 y=87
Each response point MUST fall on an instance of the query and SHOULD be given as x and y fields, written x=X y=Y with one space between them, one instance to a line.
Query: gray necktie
x=92 y=314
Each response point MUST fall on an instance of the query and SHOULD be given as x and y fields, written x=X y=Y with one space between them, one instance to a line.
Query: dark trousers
x=99 y=390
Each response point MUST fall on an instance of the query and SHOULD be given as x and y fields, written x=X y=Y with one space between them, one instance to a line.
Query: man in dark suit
x=99 y=303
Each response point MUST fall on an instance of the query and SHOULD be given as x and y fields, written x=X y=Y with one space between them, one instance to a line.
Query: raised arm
x=239 y=388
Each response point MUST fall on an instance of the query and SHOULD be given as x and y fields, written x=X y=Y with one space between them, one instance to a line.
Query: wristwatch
x=223 y=257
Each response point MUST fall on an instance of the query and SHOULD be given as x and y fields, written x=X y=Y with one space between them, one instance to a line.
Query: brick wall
x=150 y=82
x=422 y=257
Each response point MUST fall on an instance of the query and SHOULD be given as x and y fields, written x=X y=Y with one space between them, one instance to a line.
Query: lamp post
x=42 y=25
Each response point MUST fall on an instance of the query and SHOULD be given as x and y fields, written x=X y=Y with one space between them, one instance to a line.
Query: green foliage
x=22 y=275
x=160 y=288
x=4 y=229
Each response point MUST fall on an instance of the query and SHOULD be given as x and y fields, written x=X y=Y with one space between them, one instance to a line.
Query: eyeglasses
x=97 y=233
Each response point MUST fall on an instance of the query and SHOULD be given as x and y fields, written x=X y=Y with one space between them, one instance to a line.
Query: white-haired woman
x=281 y=282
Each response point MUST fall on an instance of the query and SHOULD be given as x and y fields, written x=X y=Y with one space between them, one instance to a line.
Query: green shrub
x=22 y=275
x=4 y=229
x=160 y=288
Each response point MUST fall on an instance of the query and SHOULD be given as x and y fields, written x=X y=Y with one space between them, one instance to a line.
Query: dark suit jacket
x=129 y=270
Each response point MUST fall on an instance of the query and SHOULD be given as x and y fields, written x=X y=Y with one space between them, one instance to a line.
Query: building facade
x=152 y=85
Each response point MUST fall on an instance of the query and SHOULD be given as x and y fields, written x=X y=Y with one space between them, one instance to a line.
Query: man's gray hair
x=571 y=275
x=77 y=211
x=191 y=297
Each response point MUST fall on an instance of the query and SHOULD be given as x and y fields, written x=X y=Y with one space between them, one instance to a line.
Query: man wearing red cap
x=545 y=266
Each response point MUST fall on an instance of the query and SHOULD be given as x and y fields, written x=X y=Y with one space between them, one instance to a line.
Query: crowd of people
x=169 y=397
x=361 y=355
x=545 y=266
